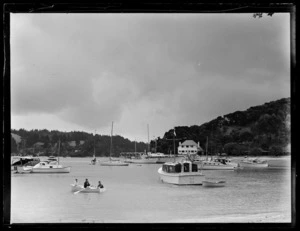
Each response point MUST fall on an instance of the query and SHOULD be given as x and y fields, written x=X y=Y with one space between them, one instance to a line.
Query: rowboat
x=89 y=189
x=213 y=183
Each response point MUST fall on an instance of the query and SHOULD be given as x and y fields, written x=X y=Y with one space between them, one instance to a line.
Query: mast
x=58 y=152
x=174 y=144
x=112 y=124
x=148 y=138
x=206 y=146
x=95 y=145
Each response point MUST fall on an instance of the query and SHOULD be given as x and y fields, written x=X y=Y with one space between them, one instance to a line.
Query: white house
x=189 y=147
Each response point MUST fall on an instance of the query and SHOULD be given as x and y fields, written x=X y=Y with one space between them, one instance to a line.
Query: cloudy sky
x=82 y=71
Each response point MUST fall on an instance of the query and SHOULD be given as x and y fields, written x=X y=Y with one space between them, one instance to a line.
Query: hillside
x=76 y=144
x=263 y=129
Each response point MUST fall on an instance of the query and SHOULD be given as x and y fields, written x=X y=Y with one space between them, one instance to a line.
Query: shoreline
x=238 y=218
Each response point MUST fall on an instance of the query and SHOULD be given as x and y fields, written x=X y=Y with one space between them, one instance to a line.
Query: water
x=136 y=195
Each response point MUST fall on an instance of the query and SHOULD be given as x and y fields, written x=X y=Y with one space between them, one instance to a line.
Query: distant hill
x=263 y=129
x=77 y=144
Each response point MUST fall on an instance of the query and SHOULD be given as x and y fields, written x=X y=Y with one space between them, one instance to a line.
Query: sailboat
x=49 y=166
x=113 y=162
x=94 y=160
x=146 y=158
x=213 y=164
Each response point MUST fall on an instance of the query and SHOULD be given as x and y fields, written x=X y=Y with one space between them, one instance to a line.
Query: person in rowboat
x=100 y=185
x=86 y=183
x=76 y=182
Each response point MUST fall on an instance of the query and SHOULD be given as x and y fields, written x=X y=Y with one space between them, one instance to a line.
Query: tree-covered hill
x=44 y=142
x=259 y=130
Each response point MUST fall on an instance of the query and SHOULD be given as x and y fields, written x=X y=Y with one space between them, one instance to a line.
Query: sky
x=81 y=72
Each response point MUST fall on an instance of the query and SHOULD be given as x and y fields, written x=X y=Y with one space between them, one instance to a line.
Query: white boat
x=142 y=159
x=181 y=173
x=24 y=169
x=214 y=183
x=226 y=161
x=89 y=189
x=213 y=165
x=253 y=163
x=49 y=166
x=111 y=161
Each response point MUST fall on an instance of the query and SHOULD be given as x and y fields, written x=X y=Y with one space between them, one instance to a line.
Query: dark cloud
x=89 y=69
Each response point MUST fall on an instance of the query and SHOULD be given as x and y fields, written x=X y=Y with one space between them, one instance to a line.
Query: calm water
x=135 y=194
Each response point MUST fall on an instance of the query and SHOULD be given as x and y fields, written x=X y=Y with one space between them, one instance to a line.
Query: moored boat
x=213 y=183
x=181 y=173
x=213 y=165
x=112 y=161
x=253 y=163
x=50 y=167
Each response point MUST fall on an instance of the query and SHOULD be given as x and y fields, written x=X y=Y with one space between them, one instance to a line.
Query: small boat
x=253 y=163
x=89 y=189
x=113 y=162
x=213 y=183
x=213 y=165
x=52 y=158
x=24 y=169
x=181 y=173
x=19 y=162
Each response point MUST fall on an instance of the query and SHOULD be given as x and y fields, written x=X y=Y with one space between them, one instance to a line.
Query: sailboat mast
x=148 y=138
x=58 y=151
x=112 y=124
x=206 y=146
x=94 y=145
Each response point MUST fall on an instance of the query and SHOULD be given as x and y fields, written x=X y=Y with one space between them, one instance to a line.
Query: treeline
x=76 y=143
x=260 y=130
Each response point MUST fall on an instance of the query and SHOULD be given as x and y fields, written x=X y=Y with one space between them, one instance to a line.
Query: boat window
x=194 y=168
x=178 y=168
x=186 y=167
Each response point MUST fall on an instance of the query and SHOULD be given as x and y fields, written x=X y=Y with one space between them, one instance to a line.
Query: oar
x=79 y=191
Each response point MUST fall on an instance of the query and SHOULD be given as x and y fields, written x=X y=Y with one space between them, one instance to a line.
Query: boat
x=52 y=158
x=163 y=158
x=24 y=169
x=142 y=159
x=214 y=183
x=226 y=161
x=111 y=161
x=89 y=189
x=181 y=173
x=49 y=166
x=20 y=161
x=253 y=163
x=213 y=165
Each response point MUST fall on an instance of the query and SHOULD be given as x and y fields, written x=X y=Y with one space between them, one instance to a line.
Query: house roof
x=189 y=142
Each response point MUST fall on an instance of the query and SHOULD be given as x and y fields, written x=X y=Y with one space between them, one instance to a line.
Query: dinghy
x=213 y=183
x=90 y=189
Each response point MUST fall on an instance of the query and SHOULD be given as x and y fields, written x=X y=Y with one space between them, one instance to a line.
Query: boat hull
x=76 y=188
x=142 y=161
x=213 y=183
x=188 y=178
x=113 y=163
x=214 y=166
x=245 y=164
x=162 y=160
x=24 y=169
x=51 y=170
